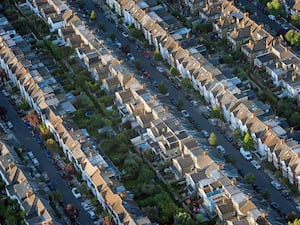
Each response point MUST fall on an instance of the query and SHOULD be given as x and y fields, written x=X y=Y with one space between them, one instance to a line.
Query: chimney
x=253 y=114
x=282 y=141
x=233 y=181
x=294 y=78
x=249 y=197
x=246 y=14
x=205 y=153
x=143 y=85
x=220 y=166
x=11 y=165
x=264 y=214
x=29 y=194
x=261 y=26
x=277 y=64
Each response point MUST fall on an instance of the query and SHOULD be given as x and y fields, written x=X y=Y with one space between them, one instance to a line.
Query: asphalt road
x=259 y=17
x=25 y=138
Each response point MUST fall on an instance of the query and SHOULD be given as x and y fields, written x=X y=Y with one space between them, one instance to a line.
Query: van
x=246 y=154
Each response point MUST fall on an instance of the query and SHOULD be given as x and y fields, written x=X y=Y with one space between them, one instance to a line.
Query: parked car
x=221 y=149
x=91 y=214
x=30 y=154
x=51 y=185
x=125 y=34
x=276 y=185
x=274 y=206
x=205 y=133
x=86 y=206
x=159 y=69
x=130 y=56
x=255 y=164
x=76 y=193
x=35 y=162
x=228 y=138
x=9 y=124
x=242 y=172
x=286 y=194
x=5 y=93
x=256 y=188
x=246 y=154
x=185 y=113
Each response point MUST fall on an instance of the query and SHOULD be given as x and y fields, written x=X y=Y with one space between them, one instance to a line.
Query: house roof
x=184 y=162
x=225 y=206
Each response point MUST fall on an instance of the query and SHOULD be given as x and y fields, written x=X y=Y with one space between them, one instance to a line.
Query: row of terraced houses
x=161 y=132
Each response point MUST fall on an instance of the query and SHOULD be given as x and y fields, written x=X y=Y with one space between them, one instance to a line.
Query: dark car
x=189 y=97
x=242 y=172
x=286 y=194
x=256 y=188
x=173 y=101
x=274 y=206
x=51 y=185
x=228 y=138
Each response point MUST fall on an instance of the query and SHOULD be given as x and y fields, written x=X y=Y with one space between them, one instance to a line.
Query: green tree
x=174 y=71
x=237 y=133
x=81 y=4
x=157 y=56
x=266 y=194
x=179 y=103
x=228 y=59
x=248 y=142
x=275 y=7
x=215 y=113
x=295 y=119
x=93 y=15
x=183 y=218
x=186 y=82
x=145 y=174
x=293 y=37
x=137 y=64
x=295 y=19
x=112 y=36
x=101 y=26
x=250 y=178
x=295 y=222
x=292 y=217
x=162 y=87
x=212 y=139
x=133 y=163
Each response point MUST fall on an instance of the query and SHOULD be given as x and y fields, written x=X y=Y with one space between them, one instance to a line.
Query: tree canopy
x=213 y=139
x=293 y=37
x=275 y=7
x=183 y=218
x=248 y=142
x=295 y=222
x=93 y=15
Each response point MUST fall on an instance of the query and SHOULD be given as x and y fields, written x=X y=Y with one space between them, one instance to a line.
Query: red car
x=147 y=74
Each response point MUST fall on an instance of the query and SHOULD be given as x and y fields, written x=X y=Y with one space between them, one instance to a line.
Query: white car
x=86 y=206
x=255 y=164
x=276 y=185
x=76 y=193
x=130 y=56
x=91 y=214
x=30 y=154
x=159 y=69
x=5 y=93
x=9 y=125
x=221 y=149
x=272 y=17
x=185 y=113
x=194 y=102
x=35 y=162
x=285 y=26
x=125 y=34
